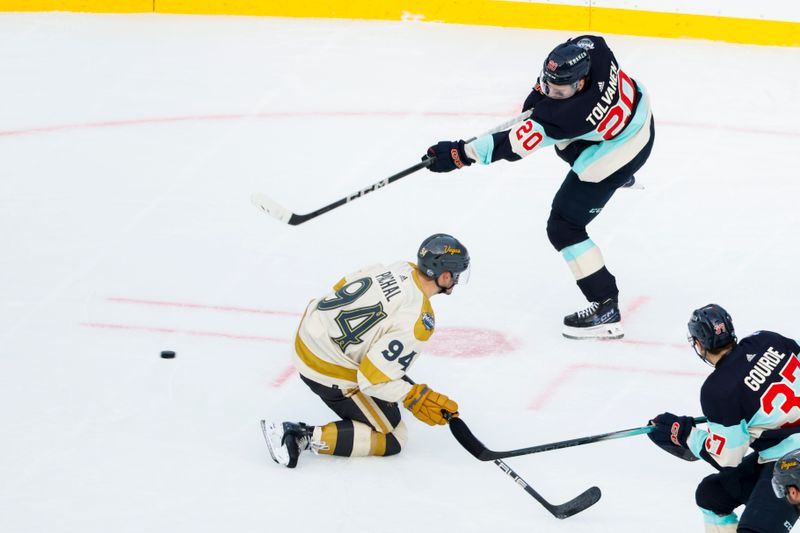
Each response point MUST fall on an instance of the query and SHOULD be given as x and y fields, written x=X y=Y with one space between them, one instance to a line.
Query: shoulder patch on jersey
x=423 y=329
x=586 y=44
x=428 y=321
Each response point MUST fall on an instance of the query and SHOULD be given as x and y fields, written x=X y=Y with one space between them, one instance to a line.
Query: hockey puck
x=167 y=354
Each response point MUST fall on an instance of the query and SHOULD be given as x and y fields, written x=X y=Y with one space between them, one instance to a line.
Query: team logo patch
x=456 y=158
x=586 y=44
x=552 y=65
x=428 y=321
x=719 y=329
x=674 y=430
x=786 y=465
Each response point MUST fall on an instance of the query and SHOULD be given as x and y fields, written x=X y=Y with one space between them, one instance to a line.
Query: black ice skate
x=601 y=320
x=285 y=441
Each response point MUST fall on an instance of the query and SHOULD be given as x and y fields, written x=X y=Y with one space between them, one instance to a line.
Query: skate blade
x=603 y=332
x=273 y=434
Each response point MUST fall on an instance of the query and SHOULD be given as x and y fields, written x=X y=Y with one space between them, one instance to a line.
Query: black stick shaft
x=284 y=215
x=577 y=504
x=471 y=443
x=299 y=219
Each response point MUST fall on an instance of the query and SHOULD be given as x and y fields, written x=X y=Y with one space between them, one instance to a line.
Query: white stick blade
x=270 y=207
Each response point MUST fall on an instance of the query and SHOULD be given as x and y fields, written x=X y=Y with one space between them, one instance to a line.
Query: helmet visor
x=692 y=342
x=557 y=92
x=461 y=278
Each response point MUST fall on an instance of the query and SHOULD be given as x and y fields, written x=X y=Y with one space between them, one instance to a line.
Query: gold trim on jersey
x=372 y=372
x=341 y=283
x=321 y=366
x=420 y=331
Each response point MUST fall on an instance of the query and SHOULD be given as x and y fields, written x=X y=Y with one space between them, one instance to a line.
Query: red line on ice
x=150 y=329
x=634 y=306
x=571 y=371
x=226 y=308
x=463 y=342
x=679 y=346
x=284 y=376
x=345 y=114
x=242 y=116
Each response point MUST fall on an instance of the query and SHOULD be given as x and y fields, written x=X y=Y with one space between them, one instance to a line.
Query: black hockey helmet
x=566 y=64
x=442 y=253
x=786 y=473
x=712 y=326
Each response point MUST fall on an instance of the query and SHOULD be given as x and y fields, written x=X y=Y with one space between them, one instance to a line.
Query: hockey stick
x=577 y=504
x=471 y=443
x=271 y=207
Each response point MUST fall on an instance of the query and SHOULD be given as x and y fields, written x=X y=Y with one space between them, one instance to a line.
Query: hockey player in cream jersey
x=354 y=347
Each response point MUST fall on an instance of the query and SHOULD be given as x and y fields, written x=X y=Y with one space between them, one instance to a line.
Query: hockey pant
x=574 y=206
x=748 y=484
x=369 y=426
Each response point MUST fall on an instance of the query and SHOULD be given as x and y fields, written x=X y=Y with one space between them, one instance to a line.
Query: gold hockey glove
x=427 y=405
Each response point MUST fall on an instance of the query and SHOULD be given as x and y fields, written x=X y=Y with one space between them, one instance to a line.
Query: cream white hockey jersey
x=366 y=333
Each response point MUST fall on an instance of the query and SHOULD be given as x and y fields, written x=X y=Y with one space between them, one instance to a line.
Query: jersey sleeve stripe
x=372 y=372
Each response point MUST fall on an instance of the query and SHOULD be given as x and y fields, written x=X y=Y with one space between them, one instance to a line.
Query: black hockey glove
x=671 y=434
x=449 y=156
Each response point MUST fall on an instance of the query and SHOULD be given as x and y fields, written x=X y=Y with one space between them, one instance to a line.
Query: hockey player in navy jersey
x=752 y=400
x=599 y=120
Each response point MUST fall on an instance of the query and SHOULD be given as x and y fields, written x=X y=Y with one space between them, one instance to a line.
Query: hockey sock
x=587 y=265
x=583 y=258
x=349 y=438
x=599 y=286
x=715 y=523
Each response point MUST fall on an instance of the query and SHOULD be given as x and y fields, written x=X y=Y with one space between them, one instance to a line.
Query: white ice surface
x=129 y=147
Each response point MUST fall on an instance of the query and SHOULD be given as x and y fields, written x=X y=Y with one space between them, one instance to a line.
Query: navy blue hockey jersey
x=597 y=131
x=752 y=399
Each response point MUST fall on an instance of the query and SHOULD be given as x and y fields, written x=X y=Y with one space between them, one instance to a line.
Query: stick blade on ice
x=271 y=207
x=580 y=503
